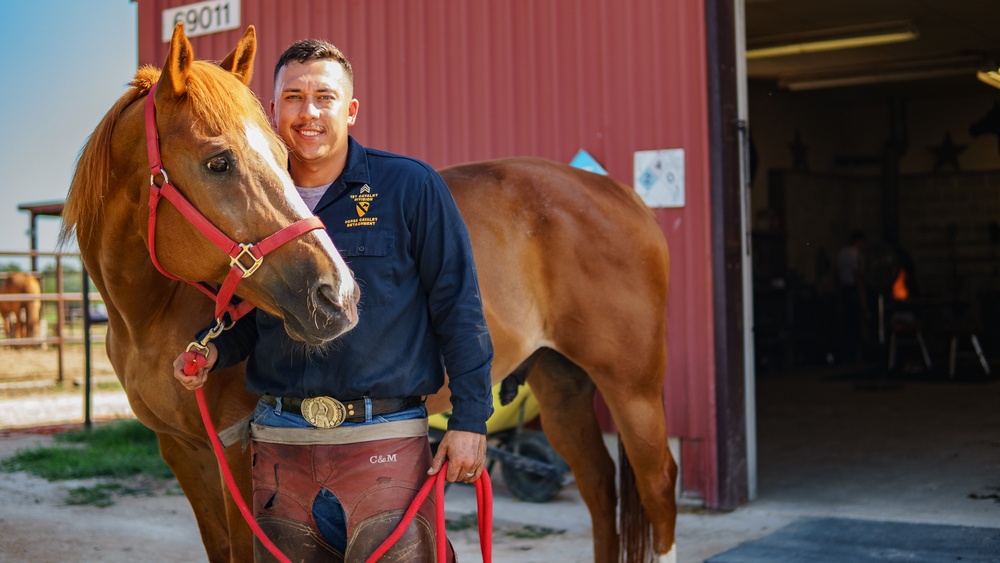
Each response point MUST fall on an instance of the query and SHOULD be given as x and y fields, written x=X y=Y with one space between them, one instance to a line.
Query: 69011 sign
x=202 y=18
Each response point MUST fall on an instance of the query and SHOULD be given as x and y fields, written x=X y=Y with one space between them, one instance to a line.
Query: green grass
x=100 y=495
x=116 y=450
x=533 y=532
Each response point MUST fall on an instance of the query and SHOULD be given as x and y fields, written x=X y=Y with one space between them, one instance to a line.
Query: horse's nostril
x=327 y=298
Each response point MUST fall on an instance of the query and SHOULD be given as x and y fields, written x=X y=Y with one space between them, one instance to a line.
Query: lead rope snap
x=195 y=356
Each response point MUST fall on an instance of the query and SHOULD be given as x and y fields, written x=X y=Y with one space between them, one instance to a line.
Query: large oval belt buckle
x=323 y=412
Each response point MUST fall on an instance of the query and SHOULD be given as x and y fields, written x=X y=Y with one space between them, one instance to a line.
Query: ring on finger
x=473 y=474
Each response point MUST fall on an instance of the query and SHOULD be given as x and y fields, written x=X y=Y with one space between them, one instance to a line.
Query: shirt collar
x=356 y=168
x=355 y=172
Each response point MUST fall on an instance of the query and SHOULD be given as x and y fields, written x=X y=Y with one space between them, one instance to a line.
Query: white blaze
x=258 y=142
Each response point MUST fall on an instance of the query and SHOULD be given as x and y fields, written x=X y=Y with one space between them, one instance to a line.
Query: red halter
x=236 y=251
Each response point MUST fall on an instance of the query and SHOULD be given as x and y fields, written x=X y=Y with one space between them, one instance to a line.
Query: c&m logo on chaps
x=362 y=205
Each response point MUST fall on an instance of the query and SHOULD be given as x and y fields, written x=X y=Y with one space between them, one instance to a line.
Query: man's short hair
x=313 y=50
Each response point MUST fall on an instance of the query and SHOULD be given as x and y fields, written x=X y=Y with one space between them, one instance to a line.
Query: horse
x=223 y=162
x=573 y=270
x=20 y=318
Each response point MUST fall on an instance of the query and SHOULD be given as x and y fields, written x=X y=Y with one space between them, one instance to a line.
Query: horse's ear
x=179 y=58
x=240 y=61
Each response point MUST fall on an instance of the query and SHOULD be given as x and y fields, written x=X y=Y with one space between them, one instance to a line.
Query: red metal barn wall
x=451 y=81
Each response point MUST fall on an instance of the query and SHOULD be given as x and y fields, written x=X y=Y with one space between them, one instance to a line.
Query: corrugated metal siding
x=452 y=81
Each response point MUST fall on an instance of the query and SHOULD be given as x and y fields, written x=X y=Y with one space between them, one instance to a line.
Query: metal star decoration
x=946 y=154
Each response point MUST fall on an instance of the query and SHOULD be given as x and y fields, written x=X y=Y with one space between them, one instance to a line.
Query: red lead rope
x=484 y=501
x=231 y=482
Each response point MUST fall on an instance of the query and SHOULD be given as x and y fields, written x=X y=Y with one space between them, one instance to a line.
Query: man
x=420 y=313
x=850 y=269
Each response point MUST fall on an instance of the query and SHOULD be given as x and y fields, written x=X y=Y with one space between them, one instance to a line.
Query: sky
x=64 y=63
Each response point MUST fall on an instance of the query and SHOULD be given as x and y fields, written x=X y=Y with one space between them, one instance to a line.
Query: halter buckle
x=246 y=250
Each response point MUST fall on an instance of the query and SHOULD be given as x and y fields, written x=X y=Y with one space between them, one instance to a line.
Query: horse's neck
x=142 y=303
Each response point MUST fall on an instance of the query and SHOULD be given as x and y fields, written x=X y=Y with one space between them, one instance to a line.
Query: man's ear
x=352 y=111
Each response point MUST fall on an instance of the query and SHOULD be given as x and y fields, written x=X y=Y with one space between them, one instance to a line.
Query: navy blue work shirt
x=396 y=225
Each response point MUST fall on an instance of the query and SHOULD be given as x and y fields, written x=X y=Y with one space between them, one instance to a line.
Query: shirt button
x=361 y=248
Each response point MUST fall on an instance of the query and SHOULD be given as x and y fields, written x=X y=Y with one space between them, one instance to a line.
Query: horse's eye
x=218 y=164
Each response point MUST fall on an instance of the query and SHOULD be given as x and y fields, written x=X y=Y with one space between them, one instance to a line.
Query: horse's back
x=21 y=282
x=572 y=219
x=21 y=318
x=564 y=256
x=548 y=187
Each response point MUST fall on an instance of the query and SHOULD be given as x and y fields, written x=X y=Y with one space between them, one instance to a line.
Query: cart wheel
x=529 y=486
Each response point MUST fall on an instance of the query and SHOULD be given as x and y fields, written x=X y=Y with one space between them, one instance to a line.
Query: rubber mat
x=840 y=540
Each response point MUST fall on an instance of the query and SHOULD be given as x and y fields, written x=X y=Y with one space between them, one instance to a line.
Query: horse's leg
x=240 y=534
x=195 y=465
x=22 y=321
x=566 y=399
x=34 y=310
x=638 y=413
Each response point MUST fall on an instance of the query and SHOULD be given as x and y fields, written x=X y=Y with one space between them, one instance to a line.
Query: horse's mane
x=218 y=102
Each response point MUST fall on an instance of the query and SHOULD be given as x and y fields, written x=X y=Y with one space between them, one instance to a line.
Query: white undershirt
x=312 y=195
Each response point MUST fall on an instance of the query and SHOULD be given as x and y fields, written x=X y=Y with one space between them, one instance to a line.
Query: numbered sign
x=659 y=177
x=202 y=18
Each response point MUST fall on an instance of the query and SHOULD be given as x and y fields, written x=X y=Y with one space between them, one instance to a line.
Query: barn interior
x=878 y=117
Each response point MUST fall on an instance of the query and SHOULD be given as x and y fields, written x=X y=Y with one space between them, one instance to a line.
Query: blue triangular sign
x=585 y=161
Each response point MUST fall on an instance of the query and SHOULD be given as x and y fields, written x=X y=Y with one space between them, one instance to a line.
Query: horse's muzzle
x=332 y=312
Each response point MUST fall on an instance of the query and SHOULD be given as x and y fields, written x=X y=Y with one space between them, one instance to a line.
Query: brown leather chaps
x=375 y=483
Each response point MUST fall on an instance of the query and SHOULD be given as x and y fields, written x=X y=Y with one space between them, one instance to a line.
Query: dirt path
x=37 y=525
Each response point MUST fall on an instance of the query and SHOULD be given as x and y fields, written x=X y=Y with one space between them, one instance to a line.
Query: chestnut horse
x=20 y=318
x=574 y=270
x=572 y=265
x=223 y=157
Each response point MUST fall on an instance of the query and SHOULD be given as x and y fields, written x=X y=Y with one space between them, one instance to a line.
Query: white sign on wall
x=202 y=18
x=659 y=177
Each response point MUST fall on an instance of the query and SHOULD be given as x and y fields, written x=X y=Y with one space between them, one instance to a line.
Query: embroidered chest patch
x=363 y=203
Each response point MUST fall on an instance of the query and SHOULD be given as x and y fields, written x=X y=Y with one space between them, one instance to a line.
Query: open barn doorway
x=876 y=396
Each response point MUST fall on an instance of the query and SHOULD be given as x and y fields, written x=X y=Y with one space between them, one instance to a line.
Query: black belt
x=355 y=408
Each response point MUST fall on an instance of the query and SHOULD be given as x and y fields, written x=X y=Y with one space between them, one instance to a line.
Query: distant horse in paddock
x=21 y=318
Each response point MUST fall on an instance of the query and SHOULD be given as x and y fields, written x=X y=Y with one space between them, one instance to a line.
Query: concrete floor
x=831 y=445
x=922 y=449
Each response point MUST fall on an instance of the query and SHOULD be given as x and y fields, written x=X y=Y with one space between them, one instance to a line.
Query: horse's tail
x=635 y=544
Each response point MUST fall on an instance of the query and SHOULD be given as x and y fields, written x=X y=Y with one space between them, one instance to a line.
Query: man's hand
x=465 y=453
x=196 y=381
